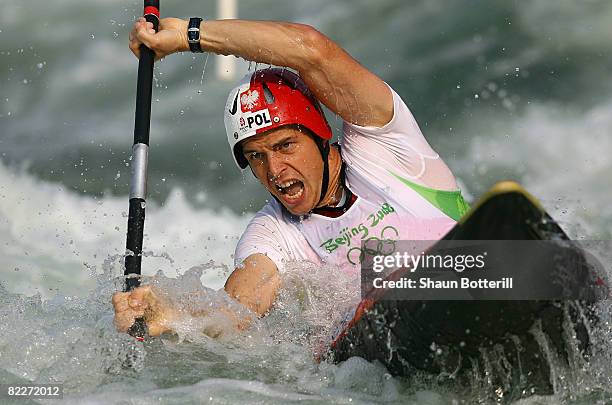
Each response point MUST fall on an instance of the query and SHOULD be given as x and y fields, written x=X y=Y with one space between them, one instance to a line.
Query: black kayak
x=464 y=339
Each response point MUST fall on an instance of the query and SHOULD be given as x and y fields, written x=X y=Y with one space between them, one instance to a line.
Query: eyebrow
x=246 y=150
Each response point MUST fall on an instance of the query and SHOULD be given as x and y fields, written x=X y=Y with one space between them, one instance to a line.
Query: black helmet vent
x=268 y=94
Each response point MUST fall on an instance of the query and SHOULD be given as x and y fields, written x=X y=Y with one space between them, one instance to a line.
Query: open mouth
x=291 y=189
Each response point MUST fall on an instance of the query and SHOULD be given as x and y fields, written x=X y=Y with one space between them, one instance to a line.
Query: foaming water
x=505 y=94
x=72 y=340
x=311 y=303
x=559 y=154
x=53 y=239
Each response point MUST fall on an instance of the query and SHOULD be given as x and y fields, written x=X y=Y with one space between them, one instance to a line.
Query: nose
x=276 y=165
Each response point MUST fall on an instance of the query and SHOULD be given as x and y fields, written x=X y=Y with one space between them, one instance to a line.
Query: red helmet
x=268 y=99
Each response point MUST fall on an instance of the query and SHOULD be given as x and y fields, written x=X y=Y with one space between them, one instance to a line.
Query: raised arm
x=336 y=79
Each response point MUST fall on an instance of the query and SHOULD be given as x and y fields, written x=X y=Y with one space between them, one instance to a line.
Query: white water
x=52 y=240
x=68 y=250
x=66 y=113
x=560 y=155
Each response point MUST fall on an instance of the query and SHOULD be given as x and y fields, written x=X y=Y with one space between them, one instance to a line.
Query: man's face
x=288 y=163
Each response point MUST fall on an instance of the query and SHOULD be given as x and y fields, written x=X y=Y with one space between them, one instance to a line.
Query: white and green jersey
x=402 y=191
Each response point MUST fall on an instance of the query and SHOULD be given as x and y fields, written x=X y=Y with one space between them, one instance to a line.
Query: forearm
x=297 y=46
x=333 y=76
x=219 y=322
x=214 y=314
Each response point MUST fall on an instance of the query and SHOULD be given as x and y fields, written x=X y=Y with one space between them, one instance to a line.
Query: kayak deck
x=458 y=338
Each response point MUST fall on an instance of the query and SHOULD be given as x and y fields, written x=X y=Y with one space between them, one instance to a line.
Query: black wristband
x=193 y=34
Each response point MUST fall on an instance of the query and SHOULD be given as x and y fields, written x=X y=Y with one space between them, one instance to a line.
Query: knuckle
x=120 y=323
x=117 y=298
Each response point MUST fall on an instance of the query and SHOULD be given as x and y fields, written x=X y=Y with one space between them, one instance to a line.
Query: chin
x=297 y=212
x=299 y=207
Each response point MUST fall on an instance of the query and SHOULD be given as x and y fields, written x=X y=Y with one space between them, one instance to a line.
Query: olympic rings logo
x=383 y=246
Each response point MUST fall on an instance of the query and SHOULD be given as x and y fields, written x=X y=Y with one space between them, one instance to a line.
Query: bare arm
x=335 y=78
x=255 y=285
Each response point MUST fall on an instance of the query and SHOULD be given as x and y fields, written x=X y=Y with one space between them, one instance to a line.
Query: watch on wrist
x=193 y=34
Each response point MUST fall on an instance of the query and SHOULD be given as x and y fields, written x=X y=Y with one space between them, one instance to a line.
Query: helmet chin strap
x=324 y=149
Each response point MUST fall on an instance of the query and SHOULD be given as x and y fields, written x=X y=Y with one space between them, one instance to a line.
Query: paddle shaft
x=140 y=151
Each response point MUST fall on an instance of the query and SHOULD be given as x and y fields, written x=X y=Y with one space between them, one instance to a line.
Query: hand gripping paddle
x=140 y=152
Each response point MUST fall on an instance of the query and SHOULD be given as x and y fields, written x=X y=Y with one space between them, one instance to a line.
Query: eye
x=287 y=145
x=254 y=156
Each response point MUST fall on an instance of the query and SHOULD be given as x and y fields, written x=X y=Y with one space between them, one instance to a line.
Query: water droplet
x=39 y=65
x=143 y=205
x=25 y=81
x=92 y=36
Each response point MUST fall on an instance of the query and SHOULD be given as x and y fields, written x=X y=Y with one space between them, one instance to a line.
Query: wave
x=52 y=239
x=559 y=153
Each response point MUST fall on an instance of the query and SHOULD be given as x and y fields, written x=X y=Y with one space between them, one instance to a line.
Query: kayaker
x=383 y=181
